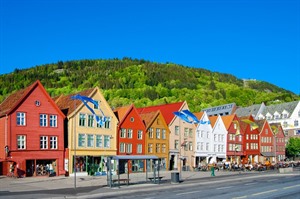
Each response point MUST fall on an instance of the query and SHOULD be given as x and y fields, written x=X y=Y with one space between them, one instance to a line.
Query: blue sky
x=249 y=39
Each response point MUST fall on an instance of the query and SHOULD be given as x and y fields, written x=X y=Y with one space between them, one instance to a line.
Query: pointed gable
x=149 y=117
x=68 y=105
x=121 y=112
x=15 y=99
x=167 y=110
x=213 y=120
x=227 y=120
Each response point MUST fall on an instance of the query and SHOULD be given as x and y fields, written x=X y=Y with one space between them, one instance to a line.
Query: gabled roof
x=167 y=110
x=199 y=115
x=243 y=125
x=68 y=105
x=227 y=120
x=149 y=117
x=288 y=106
x=14 y=100
x=121 y=112
x=260 y=124
x=213 y=120
x=250 y=110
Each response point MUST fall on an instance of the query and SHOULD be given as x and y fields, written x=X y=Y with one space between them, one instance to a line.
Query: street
x=232 y=185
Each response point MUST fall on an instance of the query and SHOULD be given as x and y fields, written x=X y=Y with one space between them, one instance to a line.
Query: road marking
x=260 y=193
x=251 y=183
x=239 y=197
x=225 y=187
x=187 y=193
x=291 y=186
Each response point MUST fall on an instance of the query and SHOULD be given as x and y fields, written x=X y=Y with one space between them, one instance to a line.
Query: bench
x=121 y=180
x=156 y=178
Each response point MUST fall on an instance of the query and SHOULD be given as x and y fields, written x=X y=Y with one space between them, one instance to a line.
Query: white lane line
x=239 y=197
x=187 y=193
x=291 y=186
x=251 y=183
x=260 y=193
x=225 y=187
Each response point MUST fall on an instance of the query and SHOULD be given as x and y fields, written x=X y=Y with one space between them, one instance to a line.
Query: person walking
x=212 y=169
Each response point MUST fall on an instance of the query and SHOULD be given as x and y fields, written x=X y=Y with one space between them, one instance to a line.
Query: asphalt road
x=233 y=185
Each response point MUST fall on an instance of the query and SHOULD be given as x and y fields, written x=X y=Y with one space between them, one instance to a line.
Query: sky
x=250 y=39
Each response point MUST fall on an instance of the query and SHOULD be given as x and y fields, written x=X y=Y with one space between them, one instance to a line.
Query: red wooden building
x=279 y=144
x=31 y=133
x=131 y=136
x=251 y=140
x=266 y=139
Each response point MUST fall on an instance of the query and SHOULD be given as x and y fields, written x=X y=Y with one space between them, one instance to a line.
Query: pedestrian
x=212 y=169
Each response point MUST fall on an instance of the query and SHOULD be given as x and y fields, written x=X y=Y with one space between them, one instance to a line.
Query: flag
x=85 y=101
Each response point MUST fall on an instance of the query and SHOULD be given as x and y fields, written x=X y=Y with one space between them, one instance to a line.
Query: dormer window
x=276 y=116
x=268 y=116
x=284 y=114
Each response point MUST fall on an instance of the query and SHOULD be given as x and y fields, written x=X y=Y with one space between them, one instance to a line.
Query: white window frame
x=53 y=120
x=21 y=118
x=43 y=120
x=43 y=142
x=53 y=142
x=21 y=142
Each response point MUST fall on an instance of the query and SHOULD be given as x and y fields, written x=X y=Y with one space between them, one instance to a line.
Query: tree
x=293 y=147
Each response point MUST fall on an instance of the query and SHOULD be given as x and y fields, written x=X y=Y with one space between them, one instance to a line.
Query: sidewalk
x=62 y=182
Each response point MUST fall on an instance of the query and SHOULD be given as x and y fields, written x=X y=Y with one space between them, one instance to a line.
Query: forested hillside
x=145 y=83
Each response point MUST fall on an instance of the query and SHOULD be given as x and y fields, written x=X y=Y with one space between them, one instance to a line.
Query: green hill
x=145 y=83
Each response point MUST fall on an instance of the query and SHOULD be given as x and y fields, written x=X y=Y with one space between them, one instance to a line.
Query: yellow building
x=87 y=142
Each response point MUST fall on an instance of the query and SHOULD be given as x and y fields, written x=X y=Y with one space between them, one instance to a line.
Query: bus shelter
x=117 y=174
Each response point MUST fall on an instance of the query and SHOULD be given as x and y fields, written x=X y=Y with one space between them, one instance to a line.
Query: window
x=208 y=134
x=186 y=131
x=176 y=130
x=21 y=119
x=129 y=133
x=106 y=141
x=122 y=147
x=53 y=120
x=90 y=140
x=123 y=133
x=99 y=141
x=190 y=133
x=207 y=147
x=53 y=142
x=139 y=148
x=157 y=148
x=44 y=142
x=163 y=134
x=201 y=134
x=43 y=120
x=107 y=123
x=21 y=141
x=140 y=134
x=157 y=133
x=285 y=124
x=150 y=148
x=81 y=119
x=296 y=123
x=81 y=140
x=96 y=105
x=215 y=137
x=176 y=144
x=163 y=148
x=132 y=119
x=150 y=132
x=266 y=131
x=190 y=146
x=247 y=145
x=90 y=120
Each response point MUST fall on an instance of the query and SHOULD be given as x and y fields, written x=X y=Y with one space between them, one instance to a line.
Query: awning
x=134 y=157
x=268 y=154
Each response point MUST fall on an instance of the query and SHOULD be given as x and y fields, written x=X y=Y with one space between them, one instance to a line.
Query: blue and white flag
x=189 y=117
x=85 y=100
